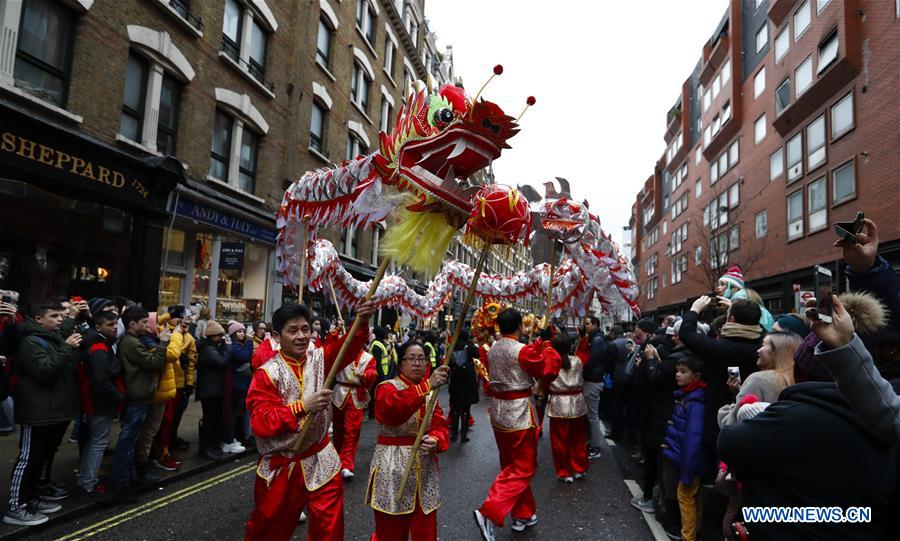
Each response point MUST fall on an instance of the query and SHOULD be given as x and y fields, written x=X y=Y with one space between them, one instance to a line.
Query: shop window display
x=241 y=280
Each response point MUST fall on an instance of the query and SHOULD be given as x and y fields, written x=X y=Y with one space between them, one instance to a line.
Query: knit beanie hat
x=734 y=276
x=749 y=411
x=234 y=326
x=647 y=325
x=178 y=311
x=792 y=323
x=97 y=304
x=151 y=324
x=213 y=329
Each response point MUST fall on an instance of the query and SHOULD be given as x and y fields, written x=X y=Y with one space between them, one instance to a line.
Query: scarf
x=738 y=330
x=693 y=386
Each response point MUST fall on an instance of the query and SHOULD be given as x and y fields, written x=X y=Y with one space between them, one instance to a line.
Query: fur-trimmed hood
x=867 y=311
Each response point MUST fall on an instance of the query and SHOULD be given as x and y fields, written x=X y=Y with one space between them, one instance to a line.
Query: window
x=376 y=238
x=762 y=37
x=253 y=48
x=795 y=157
x=169 y=98
x=323 y=43
x=133 y=101
x=705 y=216
x=350 y=241
x=828 y=51
x=359 y=87
x=726 y=112
x=137 y=123
x=842 y=116
x=698 y=255
x=759 y=129
x=723 y=249
x=716 y=124
x=776 y=164
x=44 y=53
x=707 y=136
x=412 y=27
x=734 y=195
x=762 y=224
x=390 y=53
x=783 y=96
x=802 y=18
x=734 y=153
x=821 y=4
x=713 y=172
x=247 y=166
x=365 y=20
x=734 y=238
x=759 y=83
x=723 y=208
x=723 y=164
x=782 y=43
x=698 y=155
x=221 y=146
x=817 y=199
x=843 y=187
x=707 y=101
x=795 y=215
x=716 y=86
x=386 y=111
x=815 y=143
x=726 y=71
x=355 y=147
x=317 y=127
x=803 y=75
x=698 y=188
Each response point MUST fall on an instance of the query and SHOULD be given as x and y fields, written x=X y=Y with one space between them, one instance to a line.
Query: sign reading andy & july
x=201 y=213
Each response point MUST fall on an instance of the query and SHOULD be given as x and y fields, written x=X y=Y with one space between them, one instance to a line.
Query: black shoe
x=210 y=454
x=52 y=493
x=147 y=474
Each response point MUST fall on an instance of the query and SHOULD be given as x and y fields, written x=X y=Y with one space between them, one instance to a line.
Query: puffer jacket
x=186 y=367
x=683 y=446
x=214 y=360
x=47 y=391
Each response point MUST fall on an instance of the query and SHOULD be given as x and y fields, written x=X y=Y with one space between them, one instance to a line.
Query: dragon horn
x=564 y=187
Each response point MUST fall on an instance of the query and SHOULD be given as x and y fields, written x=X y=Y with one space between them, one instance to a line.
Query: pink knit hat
x=151 y=324
x=234 y=326
x=734 y=276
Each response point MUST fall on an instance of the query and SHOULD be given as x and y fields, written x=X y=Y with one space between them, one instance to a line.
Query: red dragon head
x=439 y=141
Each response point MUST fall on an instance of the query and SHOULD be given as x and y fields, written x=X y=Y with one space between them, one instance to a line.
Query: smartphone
x=849 y=230
x=734 y=372
x=824 y=289
x=73 y=300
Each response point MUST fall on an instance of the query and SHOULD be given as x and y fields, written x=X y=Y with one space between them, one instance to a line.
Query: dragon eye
x=445 y=115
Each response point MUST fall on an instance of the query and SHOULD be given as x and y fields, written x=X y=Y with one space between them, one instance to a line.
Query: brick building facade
x=787 y=124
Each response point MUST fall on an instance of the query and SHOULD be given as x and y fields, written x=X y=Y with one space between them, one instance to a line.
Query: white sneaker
x=302 y=517
x=484 y=526
x=346 y=474
x=579 y=476
x=233 y=447
x=519 y=525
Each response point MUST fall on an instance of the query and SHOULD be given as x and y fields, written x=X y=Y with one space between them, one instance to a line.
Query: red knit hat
x=734 y=276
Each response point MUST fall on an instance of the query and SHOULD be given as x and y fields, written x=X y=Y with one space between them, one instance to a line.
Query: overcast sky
x=604 y=74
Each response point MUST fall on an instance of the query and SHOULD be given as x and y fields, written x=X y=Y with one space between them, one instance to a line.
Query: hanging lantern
x=500 y=216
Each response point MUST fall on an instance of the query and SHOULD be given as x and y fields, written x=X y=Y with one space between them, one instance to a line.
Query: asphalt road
x=215 y=504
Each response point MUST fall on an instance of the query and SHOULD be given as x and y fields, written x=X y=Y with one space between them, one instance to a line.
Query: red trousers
x=165 y=428
x=511 y=491
x=278 y=506
x=347 y=422
x=415 y=526
x=568 y=439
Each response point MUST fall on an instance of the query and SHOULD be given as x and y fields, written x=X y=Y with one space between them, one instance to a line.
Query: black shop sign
x=231 y=256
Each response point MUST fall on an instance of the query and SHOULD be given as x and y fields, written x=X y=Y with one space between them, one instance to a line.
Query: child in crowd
x=683 y=447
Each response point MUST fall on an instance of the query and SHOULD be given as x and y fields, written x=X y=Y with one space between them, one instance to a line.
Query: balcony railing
x=231 y=49
x=186 y=14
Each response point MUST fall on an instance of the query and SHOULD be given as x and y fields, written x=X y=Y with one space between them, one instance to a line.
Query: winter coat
x=463 y=378
x=184 y=348
x=601 y=359
x=881 y=281
x=104 y=387
x=242 y=354
x=212 y=362
x=718 y=354
x=812 y=449
x=766 y=319
x=765 y=385
x=659 y=403
x=683 y=445
x=140 y=365
x=47 y=391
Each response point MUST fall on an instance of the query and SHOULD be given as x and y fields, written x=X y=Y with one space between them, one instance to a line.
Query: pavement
x=213 y=500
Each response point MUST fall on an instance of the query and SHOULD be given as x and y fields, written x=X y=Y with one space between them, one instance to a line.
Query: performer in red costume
x=351 y=397
x=567 y=409
x=283 y=393
x=513 y=368
x=399 y=405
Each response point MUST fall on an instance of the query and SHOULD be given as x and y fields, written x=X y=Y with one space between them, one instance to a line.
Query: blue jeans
x=92 y=455
x=131 y=422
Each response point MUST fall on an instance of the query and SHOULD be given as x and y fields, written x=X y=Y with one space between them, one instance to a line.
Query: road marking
x=655 y=527
x=158 y=503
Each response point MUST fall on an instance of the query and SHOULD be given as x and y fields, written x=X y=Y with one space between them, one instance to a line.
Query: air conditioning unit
x=795 y=171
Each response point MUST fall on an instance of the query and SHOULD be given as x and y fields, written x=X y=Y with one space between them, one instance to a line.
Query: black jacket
x=718 y=354
x=810 y=449
x=602 y=356
x=463 y=379
x=101 y=367
x=212 y=362
x=659 y=401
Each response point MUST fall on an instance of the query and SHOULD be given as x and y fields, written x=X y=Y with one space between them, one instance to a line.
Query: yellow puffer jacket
x=186 y=345
x=165 y=391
